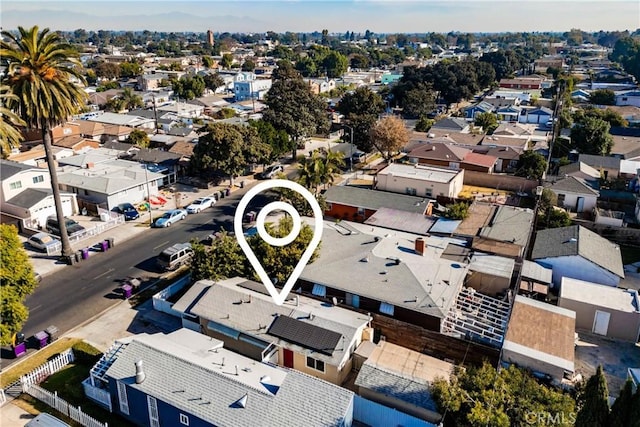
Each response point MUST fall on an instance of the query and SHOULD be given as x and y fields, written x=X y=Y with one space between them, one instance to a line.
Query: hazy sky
x=335 y=15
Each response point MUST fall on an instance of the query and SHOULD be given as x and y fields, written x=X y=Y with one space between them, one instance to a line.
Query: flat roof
x=538 y=329
x=408 y=363
x=493 y=265
x=480 y=215
x=394 y=219
x=374 y=199
x=600 y=295
x=423 y=173
x=534 y=271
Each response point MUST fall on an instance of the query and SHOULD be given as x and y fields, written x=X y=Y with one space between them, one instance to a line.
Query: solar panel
x=305 y=334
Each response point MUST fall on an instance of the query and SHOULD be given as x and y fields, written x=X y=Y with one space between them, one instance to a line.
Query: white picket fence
x=41 y=373
x=61 y=405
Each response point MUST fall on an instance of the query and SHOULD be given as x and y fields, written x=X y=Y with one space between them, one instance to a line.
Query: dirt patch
x=615 y=356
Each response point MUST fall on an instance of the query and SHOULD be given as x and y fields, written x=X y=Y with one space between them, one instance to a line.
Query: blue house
x=481 y=107
x=188 y=379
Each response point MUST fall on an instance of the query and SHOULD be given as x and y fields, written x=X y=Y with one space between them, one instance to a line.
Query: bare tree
x=388 y=136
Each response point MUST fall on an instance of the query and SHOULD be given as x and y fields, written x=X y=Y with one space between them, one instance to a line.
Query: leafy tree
x=418 y=102
x=10 y=136
x=594 y=403
x=608 y=115
x=488 y=121
x=553 y=218
x=40 y=69
x=319 y=169
x=213 y=81
x=208 y=61
x=108 y=85
x=480 y=396
x=626 y=51
x=603 y=97
x=620 y=415
x=335 y=64
x=294 y=108
x=531 y=165
x=504 y=62
x=228 y=149
x=130 y=99
x=139 y=138
x=226 y=61
x=459 y=210
x=424 y=124
x=17 y=281
x=590 y=135
x=361 y=109
x=360 y=62
x=224 y=259
x=248 y=65
x=389 y=135
x=130 y=69
x=115 y=104
x=307 y=67
x=108 y=70
x=188 y=87
x=279 y=262
x=278 y=140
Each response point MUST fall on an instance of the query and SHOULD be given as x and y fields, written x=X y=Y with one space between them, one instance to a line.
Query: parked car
x=170 y=217
x=128 y=210
x=44 y=242
x=271 y=171
x=201 y=203
x=54 y=228
x=358 y=157
x=175 y=256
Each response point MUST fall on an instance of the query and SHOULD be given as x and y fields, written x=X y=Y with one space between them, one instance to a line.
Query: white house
x=628 y=97
x=26 y=193
x=124 y=120
x=253 y=89
x=575 y=194
x=420 y=180
x=578 y=253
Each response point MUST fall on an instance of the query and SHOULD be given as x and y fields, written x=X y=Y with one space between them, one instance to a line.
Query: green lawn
x=630 y=254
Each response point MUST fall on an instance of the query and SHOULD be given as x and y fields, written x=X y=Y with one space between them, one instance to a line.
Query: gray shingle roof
x=181 y=370
x=456 y=123
x=9 y=168
x=509 y=224
x=374 y=199
x=29 y=197
x=577 y=240
x=600 y=161
x=573 y=185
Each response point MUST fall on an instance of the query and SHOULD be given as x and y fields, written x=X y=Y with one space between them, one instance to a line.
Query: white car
x=44 y=242
x=201 y=203
x=271 y=171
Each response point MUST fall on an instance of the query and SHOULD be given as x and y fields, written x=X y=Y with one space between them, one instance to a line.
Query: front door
x=288 y=358
x=580 y=204
x=601 y=322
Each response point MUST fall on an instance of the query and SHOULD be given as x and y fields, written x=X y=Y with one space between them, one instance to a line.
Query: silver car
x=170 y=217
x=201 y=203
x=44 y=242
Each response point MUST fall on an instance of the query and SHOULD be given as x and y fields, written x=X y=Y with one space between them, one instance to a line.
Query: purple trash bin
x=127 y=290
x=104 y=245
x=85 y=253
x=20 y=349
x=42 y=339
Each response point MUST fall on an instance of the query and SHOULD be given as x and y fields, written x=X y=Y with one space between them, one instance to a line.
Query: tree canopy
x=188 y=87
x=17 y=281
x=594 y=402
x=603 y=97
x=139 y=138
x=488 y=121
x=531 y=165
x=10 y=136
x=278 y=140
x=361 y=109
x=388 y=136
x=590 y=135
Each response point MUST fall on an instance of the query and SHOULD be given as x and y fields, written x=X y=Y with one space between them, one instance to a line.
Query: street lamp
x=350 y=147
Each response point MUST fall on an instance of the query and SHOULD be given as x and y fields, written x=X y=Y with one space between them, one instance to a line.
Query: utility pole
x=155 y=112
x=350 y=148
x=146 y=177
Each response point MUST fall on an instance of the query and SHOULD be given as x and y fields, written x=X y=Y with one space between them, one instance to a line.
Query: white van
x=46 y=420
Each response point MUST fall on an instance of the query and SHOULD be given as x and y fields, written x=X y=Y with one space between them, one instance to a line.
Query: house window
x=319 y=290
x=624 y=98
x=410 y=191
x=15 y=185
x=316 y=364
x=154 y=421
x=386 y=308
x=454 y=165
x=37 y=179
x=428 y=192
x=184 y=420
x=122 y=398
x=360 y=211
x=561 y=200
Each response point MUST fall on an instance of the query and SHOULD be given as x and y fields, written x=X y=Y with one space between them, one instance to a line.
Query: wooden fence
x=61 y=405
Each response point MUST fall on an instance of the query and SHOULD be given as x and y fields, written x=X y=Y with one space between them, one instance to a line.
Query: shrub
x=86 y=354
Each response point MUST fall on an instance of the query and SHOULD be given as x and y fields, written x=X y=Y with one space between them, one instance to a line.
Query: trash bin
x=135 y=285
x=78 y=255
x=20 y=349
x=127 y=291
x=71 y=260
x=85 y=253
x=52 y=331
x=250 y=216
x=241 y=184
x=104 y=245
x=110 y=241
x=222 y=194
x=227 y=192
x=42 y=339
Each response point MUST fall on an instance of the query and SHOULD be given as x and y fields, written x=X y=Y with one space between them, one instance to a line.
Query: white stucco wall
x=571 y=201
x=578 y=268
x=399 y=184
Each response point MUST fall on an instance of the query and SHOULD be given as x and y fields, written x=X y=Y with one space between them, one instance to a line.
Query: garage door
x=50 y=209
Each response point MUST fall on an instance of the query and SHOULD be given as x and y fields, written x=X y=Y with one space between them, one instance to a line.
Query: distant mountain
x=175 y=21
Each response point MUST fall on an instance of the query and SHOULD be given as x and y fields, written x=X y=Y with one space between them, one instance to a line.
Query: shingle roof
x=181 y=370
x=29 y=197
x=401 y=220
x=577 y=240
x=439 y=151
x=573 y=185
x=509 y=224
x=374 y=199
x=455 y=123
x=9 y=168
x=600 y=161
x=479 y=160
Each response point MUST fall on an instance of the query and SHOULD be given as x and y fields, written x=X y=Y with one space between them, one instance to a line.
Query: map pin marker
x=278 y=297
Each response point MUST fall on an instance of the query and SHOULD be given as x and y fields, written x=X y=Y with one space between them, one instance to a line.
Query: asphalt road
x=77 y=293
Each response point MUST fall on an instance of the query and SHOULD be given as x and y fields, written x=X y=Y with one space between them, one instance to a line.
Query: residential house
x=454 y=124
x=185 y=378
x=100 y=99
x=501 y=229
x=581 y=171
x=152 y=81
x=253 y=89
x=26 y=194
x=542 y=64
x=509 y=114
x=76 y=143
x=126 y=120
x=537 y=115
x=482 y=107
x=490 y=274
x=603 y=310
x=410 y=222
x=609 y=167
x=528 y=82
x=578 y=253
x=575 y=194
x=629 y=113
x=518 y=143
x=402 y=280
x=520 y=97
x=466 y=139
x=626 y=143
x=478 y=162
x=507 y=157
x=581 y=95
x=438 y=154
x=540 y=338
x=400 y=378
x=319 y=86
x=630 y=97
x=305 y=334
x=358 y=204
x=110 y=182
x=181 y=110
x=388 y=78
x=420 y=180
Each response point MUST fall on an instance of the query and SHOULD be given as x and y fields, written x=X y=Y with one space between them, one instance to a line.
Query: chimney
x=140 y=375
x=419 y=247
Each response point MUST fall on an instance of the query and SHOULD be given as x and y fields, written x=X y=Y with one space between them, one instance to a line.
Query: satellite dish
x=335 y=301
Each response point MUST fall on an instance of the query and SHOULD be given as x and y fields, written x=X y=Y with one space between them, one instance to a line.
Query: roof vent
x=265 y=379
x=140 y=375
x=242 y=402
x=573 y=240
x=365 y=259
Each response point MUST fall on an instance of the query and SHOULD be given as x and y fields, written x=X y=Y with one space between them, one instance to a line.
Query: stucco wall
x=622 y=325
x=578 y=268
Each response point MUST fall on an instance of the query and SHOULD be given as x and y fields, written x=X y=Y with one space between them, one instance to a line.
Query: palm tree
x=10 y=137
x=319 y=169
x=333 y=161
x=130 y=99
x=40 y=69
